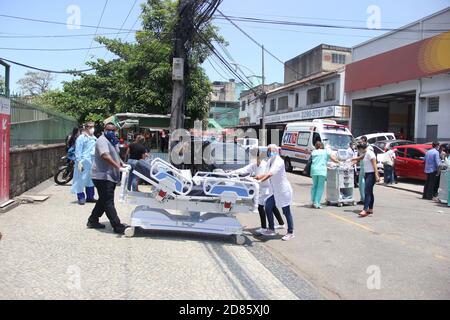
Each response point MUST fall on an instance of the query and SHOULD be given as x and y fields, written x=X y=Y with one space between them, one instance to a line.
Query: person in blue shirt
x=84 y=155
x=320 y=158
x=432 y=162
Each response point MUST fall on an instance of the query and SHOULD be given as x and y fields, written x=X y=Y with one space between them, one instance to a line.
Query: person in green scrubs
x=320 y=158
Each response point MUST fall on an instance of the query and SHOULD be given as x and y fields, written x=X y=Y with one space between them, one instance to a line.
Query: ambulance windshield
x=336 y=141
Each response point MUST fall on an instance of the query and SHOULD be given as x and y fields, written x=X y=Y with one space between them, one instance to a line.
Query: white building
x=401 y=81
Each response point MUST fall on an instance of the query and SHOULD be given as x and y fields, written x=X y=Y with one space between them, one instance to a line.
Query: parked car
x=248 y=142
x=410 y=161
x=385 y=145
x=381 y=136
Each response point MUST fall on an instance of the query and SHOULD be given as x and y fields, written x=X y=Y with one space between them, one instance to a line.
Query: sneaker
x=120 y=229
x=81 y=202
x=269 y=233
x=95 y=225
x=288 y=236
x=260 y=231
x=319 y=207
x=280 y=227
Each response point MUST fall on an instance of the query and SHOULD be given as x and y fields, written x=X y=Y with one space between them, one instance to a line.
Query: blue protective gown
x=84 y=153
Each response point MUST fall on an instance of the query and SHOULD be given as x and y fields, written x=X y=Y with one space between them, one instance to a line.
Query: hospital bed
x=176 y=201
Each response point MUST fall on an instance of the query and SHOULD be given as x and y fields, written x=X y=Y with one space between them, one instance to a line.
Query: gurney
x=176 y=201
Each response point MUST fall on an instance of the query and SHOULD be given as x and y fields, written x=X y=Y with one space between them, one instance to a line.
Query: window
x=290 y=138
x=432 y=132
x=414 y=154
x=401 y=152
x=338 y=58
x=283 y=103
x=381 y=138
x=313 y=96
x=296 y=100
x=303 y=138
x=330 y=92
x=273 y=105
x=316 y=137
x=371 y=140
x=433 y=104
x=243 y=105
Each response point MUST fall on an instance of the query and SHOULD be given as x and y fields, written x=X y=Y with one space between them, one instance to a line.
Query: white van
x=299 y=139
x=380 y=136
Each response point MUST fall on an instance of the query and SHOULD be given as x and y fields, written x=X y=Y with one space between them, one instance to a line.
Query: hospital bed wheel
x=240 y=239
x=129 y=232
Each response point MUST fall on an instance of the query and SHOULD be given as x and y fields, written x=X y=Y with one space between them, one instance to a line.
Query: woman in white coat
x=258 y=168
x=281 y=192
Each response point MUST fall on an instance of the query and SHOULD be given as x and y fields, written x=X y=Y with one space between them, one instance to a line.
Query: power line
x=258 y=44
x=317 y=25
x=61 y=23
x=212 y=65
x=30 y=36
x=52 y=49
x=96 y=29
x=46 y=70
x=123 y=24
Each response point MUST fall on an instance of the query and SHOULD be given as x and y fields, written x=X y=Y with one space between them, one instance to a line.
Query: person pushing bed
x=257 y=168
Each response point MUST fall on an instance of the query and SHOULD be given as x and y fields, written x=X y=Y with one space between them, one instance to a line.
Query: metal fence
x=32 y=124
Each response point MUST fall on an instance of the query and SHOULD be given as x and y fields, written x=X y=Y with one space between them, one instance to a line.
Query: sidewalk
x=407 y=185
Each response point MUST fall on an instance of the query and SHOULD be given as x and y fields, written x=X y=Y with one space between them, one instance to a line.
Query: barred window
x=433 y=104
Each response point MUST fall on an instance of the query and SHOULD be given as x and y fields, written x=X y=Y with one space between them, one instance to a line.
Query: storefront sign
x=309 y=114
x=5 y=114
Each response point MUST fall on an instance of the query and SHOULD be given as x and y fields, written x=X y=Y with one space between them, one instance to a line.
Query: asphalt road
x=401 y=252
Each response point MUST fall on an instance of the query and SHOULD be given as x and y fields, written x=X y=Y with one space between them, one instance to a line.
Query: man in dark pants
x=432 y=162
x=106 y=175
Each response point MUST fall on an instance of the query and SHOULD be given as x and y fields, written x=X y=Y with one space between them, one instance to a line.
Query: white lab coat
x=279 y=185
x=264 y=187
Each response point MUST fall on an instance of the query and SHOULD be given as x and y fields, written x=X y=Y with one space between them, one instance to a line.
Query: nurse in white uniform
x=280 y=190
x=257 y=168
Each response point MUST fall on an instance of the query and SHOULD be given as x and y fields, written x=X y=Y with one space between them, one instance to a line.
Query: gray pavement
x=48 y=253
x=401 y=252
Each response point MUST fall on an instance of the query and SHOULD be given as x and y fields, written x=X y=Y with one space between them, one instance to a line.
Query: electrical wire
x=51 y=49
x=96 y=29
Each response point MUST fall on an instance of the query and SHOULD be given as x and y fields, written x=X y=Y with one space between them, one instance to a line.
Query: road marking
x=438 y=256
x=351 y=222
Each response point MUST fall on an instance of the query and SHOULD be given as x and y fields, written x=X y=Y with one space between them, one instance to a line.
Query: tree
x=35 y=83
x=139 y=79
x=2 y=85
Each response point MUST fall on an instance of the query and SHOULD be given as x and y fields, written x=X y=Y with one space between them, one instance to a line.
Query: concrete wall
x=32 y=165
x=411 y=33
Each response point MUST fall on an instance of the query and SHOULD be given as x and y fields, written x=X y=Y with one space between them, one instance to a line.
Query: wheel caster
x=129 y=232
x=340 y=204
x=239 y=239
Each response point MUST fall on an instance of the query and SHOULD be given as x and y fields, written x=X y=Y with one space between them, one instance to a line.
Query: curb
x=400 y=188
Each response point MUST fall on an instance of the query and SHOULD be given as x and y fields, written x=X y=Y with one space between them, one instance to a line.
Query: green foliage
x=139 y=78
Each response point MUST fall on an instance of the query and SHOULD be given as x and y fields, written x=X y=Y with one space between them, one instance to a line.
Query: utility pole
x=179 y=63
x=263 y=102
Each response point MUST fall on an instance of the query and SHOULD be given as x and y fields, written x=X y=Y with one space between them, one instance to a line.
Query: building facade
x=318 y=93
x=224 y=104
x=400 y=81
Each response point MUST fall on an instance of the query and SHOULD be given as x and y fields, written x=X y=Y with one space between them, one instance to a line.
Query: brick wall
x=31 y=165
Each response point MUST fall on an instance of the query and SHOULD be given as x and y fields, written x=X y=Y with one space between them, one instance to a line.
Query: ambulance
x=299 y=139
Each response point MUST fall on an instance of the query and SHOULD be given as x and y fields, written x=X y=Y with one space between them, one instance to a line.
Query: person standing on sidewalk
x=371 y=177
x=105 y=175
x=432 y=162
x=320 y=158
x=84 y=155
x=388 y=166
x=280 y=189
x=361 y=180
x=260 y=167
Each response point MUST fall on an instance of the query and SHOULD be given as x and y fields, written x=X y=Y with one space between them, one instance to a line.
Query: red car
x=410 y=161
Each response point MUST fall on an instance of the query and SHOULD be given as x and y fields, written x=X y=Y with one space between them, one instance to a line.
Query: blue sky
x=284 y=42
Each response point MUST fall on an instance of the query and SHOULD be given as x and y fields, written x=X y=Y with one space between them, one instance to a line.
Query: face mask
x=111 y=136
x=271 y=154
x=91 y=131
